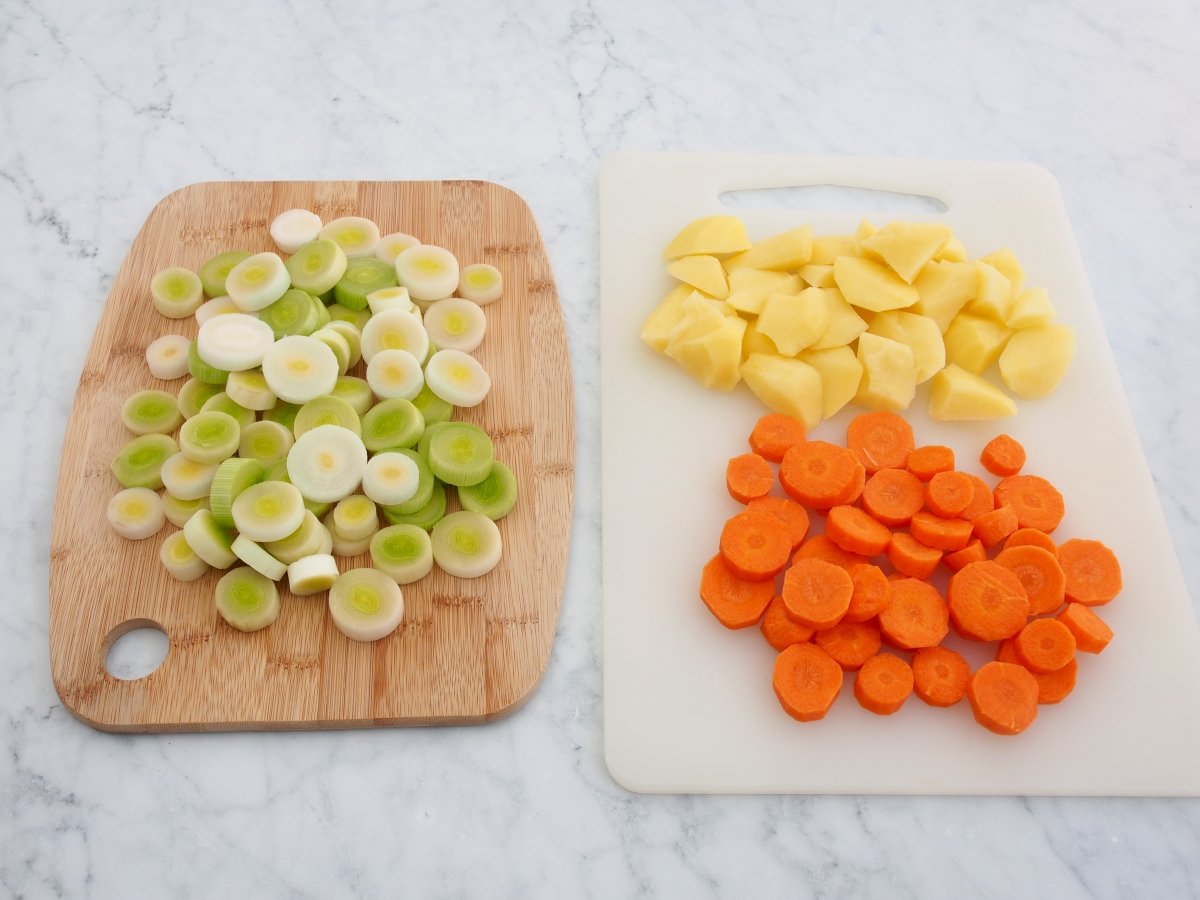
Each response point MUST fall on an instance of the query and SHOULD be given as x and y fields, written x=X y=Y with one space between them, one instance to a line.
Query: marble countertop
x=104 y=109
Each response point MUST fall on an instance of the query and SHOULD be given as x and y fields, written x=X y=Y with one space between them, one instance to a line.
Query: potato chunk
x=704 y=273
x=794 y=321
x=974 y=343
x=713 y=357
x=749 y=288
x=818 y=275
x=944 y=288
x=920 y=333
x=788 y=250
x=889 y=378
x=826 y=249
x=956 y=395
x=840 y=373
x=1029 y=309
x=907 y=246
x=709 y=236
x=871 y=285
x=993 y=298
x=1036 y=359
x=785 y=385
x=664 y=317
x=845 y=325
x=1005 y=262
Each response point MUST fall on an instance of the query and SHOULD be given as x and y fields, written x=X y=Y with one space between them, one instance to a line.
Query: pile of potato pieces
x=811 y=324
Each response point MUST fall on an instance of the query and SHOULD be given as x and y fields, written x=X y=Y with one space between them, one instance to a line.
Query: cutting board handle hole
x=834 y=198
x=135 y=649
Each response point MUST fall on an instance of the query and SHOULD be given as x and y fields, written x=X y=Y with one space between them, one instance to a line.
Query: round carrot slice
x=881 y=440
x=821 y=547
x=735 y=602
x=912 y=558
x=748 y=476
x=793 y=515
x=1052 y=686
x=1092 y=633
x=925 y=462
x=916 y=616
x=1092 y=571
x=754 y=546
x=987 y=601
x=816 y=593
x=883 y=684
x=849 y=644
x=1040 y=574
x=818 y=474
x=779 y=630
x=982 y=500
x=806 y=681
x=1032 y=537
x=949 y=493
x=1045 y=645
x=853 y=530
x=941 y=534
x=1003 y=455
x=1004 y=697
x=774 y=433
x=940 y=676
x=1037 y=502
x=891 y=496
x=973 y=552
x=872 y=592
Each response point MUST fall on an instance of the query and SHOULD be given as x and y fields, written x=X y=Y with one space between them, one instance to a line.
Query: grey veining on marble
x=105 y=107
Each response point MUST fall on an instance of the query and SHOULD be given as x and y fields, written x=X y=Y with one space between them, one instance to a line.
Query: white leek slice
x=257 y=558
x=354 y=234
x=179 y=511
x=136 y=513
x=312 y=574
x=167 y=357
x=186 y=479
x=327 y=463
x=366 y=604
x=480 y=283
x=356 y=517
x=395 y=373
x=180 y=560
x=343 y=546
x=294 y=227
x=257 y=281
x=176 y=292
x=457 y=378
x=234 y=342
x=394 y=329
x=266 y=441
x=219 y=306
x=249 y=389
x=391 y=478
x=268 y=511
x=466 y=544
x=390 y=298
x=392 y=245
x=353 y=339
x=209 y=540
x=246 y=599
x=299 y=368
x=428 y=271
x=455 y=324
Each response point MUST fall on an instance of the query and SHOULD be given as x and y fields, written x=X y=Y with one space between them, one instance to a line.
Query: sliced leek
x=249 y=390
x=293 y=228
x=356 y=392
x=257 y=281
x=234 y=342
x=304 y=541
x=179 y=511
x=366 y=604
x=233 y=476
x=355 y=235
x=186 y=479
x=194 y=394
x=390 y=424
x=299 y=368
x=327 y=463
x=466 y=544
x=391 y=478
x=219 y=306
x=403 y=552
x=455 y=324
x=210 y=541
x=214 y=272
x=356 y=517
x=352 y=335
x=209 y=437
x=139 y=463
x=180 y=560
x=392 y=245
x=394 y=329
x=176 y=292
x=136 y=513
x=327 y=410
x=395 y=373
x=457 y=378
x=390 y=298
x=151 y=412
x=317 y=266
x=246 y=599
x=223 y=403
x=268 y=511
x=428 y=271
x=312 y=574
x=267 y=442
x=167 y=357
x=480 y=283
x=257 y=558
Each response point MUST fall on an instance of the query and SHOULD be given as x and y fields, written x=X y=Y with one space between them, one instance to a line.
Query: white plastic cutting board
x=688 y=705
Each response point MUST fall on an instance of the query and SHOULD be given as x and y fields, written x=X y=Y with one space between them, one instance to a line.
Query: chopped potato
x=826 y=249
x=889 y=378
x=704 y=273
x=794 y=321
x=845 y=325
x=952 y=251
x=993 y=298
x=1005 y=262
x=749 y=288
x=920 y=333
x=1035 y=359
x=907 y=246
x=785 y=385
x=658 y=325
x=944 y=288
x=841 y=373
x=709 y=236
x=1029 y=309
x=786 y=251
x=818 y=275
x=871 y=285
x=974 y=343
x=956 y=395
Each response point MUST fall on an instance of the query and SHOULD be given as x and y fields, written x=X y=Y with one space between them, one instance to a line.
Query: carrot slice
x=849 y=644
x=987 y=601
x=1092 y=570
x=993 y=527
x=816 y=593
x=754 y=546
x=1040 y=574
x=891 y=496
x=806 y=681
x=821 y=547
x=1004 y=697
x=780 y=631
x=883 y=684
x=925 y=462
x=872 y=593
x=860 y=482
x=1045 y=645
x=1052 y=686
x=735 y=602
x=881 y=440
x=792 y=514
x=911 y=557
x=1037 y=502
x=916 y=616
x=982 y=500
x=1003 y=455
x=1031 y=537
x=774 y=433
x=1092 y=633
x=818 y=474
x=748 y=476
x=853 y=530
x=941 y=534
x=940 y=676
x=949 y=493
x=973 y=552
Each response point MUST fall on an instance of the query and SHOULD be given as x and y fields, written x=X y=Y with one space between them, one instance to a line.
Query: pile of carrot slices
x=862 y=598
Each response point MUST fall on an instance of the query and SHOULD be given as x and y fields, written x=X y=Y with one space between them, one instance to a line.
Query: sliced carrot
x=993 y=527
x=941 y=534
x=735 y=602
x=1004 y=697
x=1052 y=686
x=1092 y=633
x=1031 y=537
x=748 y=476
x=925 y=462
x=872 y=593
x=816 y=593
x=883 y=684
x=774 y=433
x=821 y=547
x=1037 y=502
x=911 y=557
x=949 y=493
x=850 y=644
x=1003 y=455
x=818 y=474
x=1045 y=645
x=892 y=496
x=860 y=482
x=806 y=681
x=916 y=616
x=1040 y=574
x=987 y=601
x=982 y=500
x=780 y=631
x=793 y=515
x=973 y=552
x=940 y=676
x=1092 y=570
x=754 y=546
x=853 y=530
x=881 y=440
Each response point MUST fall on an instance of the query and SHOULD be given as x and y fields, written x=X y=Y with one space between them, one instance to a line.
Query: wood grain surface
x=467 y=650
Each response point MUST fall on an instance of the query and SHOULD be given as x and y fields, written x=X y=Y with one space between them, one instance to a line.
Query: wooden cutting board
x=467 y=650
x=688 y=705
